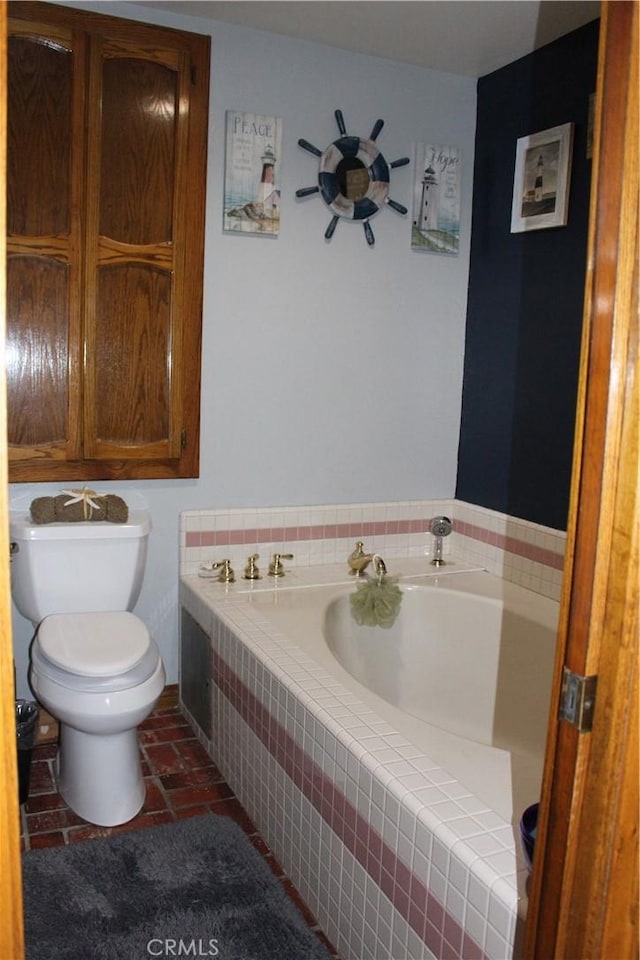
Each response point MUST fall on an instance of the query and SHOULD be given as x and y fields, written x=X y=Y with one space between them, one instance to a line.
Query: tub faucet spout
x=379 y=566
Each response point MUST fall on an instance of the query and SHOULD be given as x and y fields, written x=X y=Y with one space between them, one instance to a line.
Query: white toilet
x=94 y=666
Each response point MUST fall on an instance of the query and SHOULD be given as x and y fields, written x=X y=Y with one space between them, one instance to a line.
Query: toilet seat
x=93 y=644
x=94 y=652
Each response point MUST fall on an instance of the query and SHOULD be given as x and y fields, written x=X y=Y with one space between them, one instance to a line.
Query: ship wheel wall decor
x=353 y=179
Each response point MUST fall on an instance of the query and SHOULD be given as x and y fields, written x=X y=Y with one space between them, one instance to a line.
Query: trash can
x=26 y=721
x=528 y=830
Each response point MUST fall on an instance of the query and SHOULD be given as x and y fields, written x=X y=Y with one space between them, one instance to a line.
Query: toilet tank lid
x=22 y=528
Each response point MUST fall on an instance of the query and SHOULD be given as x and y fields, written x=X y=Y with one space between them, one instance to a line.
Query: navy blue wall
x=526 y=293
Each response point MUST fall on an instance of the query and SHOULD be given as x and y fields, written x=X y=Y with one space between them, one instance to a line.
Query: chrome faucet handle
x=226 y=572
x=251 y=571
x=275 y=567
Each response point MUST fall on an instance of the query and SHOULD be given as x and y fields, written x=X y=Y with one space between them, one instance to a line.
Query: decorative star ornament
x=85 y=496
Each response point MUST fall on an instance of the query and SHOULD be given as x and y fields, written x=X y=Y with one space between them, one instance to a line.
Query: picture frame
x=252 y=174
x=541 y=179
x=435 y=222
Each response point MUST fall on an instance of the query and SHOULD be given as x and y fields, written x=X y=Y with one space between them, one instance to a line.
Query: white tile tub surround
x=522 y=552
x=525 y=553
x=394 y=856
x=314 y=534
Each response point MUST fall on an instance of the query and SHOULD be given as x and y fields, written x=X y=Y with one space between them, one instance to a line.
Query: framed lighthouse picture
x=435 y=226
x=541 y=179
x=251 y=180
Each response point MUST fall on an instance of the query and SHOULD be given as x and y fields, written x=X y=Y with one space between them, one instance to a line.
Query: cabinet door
x=107 y=173
x=135 y=236
x=45 y=170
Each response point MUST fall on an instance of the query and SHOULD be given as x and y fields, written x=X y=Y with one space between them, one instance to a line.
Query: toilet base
x=100 y=776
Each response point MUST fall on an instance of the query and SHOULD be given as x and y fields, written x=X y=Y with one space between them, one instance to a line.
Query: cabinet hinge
x=578 y=699
x=183 y=440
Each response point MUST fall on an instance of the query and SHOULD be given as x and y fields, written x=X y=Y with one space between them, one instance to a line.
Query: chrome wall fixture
x=439 y=527
x=353 y=178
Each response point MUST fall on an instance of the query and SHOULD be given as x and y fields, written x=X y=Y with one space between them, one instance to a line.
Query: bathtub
x=387 y=767
x=473 y=665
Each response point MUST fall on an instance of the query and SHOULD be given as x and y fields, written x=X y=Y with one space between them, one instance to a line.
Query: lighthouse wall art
x=435 y=226
x=252 y=182
x=541 y=179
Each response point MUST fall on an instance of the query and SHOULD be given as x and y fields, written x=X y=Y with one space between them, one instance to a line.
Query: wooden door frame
x=586 y=841
x=585 y=880
x=11 y=928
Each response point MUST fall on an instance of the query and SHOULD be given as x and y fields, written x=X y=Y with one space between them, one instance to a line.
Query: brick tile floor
x=181 y=782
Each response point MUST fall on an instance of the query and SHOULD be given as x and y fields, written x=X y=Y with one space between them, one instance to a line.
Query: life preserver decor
x=353 y=179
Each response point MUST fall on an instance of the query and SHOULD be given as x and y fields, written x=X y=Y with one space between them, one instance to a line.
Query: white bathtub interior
x=476 y=703
x=463 y=662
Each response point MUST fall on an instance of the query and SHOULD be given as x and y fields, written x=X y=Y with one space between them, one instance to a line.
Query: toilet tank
x=77 y=567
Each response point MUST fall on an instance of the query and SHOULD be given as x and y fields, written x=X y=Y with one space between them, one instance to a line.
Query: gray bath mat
x=196 y=888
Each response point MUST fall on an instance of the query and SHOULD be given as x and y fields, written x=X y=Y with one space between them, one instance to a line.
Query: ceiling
x=467 y=37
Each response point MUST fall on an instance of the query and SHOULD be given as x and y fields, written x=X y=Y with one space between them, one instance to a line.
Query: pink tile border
x=510 y=544
x=336 y=531
x=330 y=531
x=442 y=934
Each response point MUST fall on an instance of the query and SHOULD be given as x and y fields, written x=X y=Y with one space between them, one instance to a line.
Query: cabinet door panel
x=38 y=137
x=37 y=354
x=137 y=166
x=132 y=350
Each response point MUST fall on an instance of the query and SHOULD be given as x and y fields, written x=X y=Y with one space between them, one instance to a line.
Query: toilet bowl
x=93 y=665
x=100 y=675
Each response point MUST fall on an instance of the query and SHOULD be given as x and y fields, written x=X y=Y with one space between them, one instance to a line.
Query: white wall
x=332 y=372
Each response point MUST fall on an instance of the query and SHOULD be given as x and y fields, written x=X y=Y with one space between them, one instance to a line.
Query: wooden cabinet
x=107 y=132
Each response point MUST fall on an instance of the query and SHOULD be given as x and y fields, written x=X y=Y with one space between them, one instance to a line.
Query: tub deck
x=467 y=794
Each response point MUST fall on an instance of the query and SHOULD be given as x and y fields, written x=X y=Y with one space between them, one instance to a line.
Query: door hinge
x=578 y=699
x=183 y=440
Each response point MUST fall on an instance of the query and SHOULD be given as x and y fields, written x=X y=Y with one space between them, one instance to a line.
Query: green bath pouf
x=376 y=602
